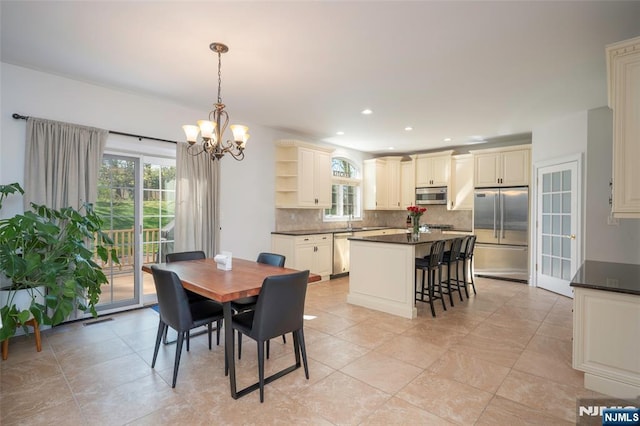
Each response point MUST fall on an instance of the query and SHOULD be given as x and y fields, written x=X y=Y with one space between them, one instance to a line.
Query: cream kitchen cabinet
x=407 y=184
x=461 y=186
x=313 y=252
x=303 y=175
x=623 y=66
x=433 y=169
x=508 y=166
x=382 y=183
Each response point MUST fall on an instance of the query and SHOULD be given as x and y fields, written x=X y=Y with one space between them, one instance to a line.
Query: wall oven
x=437 y=195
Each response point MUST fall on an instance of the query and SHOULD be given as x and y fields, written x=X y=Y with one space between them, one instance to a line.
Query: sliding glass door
x=136 y=200
x=118 y=201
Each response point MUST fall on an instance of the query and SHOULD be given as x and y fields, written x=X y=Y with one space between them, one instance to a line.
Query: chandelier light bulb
x=191 y=132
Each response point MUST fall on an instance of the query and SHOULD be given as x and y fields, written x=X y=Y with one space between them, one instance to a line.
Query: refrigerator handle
x=502 y=215
x=495 y=211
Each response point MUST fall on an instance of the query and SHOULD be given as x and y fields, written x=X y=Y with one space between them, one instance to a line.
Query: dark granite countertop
x=330 y=231
x=425 y=238
x=608 y=276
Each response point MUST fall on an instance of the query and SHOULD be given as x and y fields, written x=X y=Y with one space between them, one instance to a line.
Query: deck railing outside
x=123 y=243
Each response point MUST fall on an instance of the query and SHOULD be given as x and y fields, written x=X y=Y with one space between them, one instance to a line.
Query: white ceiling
x=461 y=70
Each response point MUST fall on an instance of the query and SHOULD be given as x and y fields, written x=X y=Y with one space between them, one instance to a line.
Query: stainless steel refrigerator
x=501 y=224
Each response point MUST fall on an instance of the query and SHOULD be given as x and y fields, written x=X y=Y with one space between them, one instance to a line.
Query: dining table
x=245 y=279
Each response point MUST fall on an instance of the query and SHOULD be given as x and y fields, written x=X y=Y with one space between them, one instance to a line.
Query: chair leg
x=431 y=290
x=458 y=281
x=188 y=338
x=209 y=330
x=471 y=272
x=284 y=339
x=176 y=362
x=464 y=276
x=162 y=330
x=218 y=327
x=449 y=283
x=440 y=286
x=268 y=346
x=261 y=369
x=303 y=351
x=239 y=345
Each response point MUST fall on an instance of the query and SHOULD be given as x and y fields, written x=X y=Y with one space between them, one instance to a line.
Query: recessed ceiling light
x=391 y=148
x=408 y=128
x=367 y=111
x=340 y=133
x=447 y=139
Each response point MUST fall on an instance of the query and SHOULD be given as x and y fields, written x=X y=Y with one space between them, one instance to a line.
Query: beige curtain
x=62 y=162
x=197 y=202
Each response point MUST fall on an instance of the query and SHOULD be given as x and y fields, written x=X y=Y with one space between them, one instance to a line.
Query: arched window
x=346 y=191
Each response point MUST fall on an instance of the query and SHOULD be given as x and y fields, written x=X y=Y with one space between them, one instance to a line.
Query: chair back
x=185 y=255
x=280 y=306
x=456 y=246
x=172 y=299
x=471 y=244
x=271 y=259
x=436 y=253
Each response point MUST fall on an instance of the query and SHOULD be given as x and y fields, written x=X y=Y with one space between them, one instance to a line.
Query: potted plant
x=50 y=253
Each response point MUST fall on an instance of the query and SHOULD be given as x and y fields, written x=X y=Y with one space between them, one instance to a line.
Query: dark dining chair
x=429 y=265
x=279 y=310
x=452 y=259
x=248 y=303
x=191 y=296
x=178 y=313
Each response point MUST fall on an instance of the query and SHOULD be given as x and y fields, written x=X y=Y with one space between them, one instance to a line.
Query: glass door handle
x=572 y=236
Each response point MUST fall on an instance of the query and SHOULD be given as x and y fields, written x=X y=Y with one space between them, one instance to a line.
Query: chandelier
x=212 y=130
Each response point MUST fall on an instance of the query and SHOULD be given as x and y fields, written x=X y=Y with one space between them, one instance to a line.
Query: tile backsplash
x=311 y=219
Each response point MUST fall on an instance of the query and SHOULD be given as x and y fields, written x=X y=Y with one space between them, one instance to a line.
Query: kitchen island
x=606 y=327
x=383 y=270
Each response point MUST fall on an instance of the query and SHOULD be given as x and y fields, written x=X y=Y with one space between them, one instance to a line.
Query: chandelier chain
x=219 y=77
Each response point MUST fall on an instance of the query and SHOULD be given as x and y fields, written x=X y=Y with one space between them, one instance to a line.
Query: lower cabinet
x=313 y=252
x=606 y=341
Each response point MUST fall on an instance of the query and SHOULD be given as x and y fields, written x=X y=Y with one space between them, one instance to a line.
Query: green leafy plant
x=50 y=253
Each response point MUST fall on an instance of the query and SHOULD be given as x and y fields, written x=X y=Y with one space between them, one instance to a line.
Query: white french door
x=557 y=225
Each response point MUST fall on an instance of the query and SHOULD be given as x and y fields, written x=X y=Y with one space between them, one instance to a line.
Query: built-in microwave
x=437 y=195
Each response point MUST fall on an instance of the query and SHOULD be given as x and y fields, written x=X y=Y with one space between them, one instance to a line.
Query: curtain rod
x=140 y=137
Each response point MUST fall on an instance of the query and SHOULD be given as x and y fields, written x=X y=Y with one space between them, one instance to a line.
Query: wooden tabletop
x=245 y=279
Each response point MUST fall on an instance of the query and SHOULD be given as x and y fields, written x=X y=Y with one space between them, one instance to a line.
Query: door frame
x=579 y=159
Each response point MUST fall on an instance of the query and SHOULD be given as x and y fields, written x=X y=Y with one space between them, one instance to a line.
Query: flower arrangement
x=415 y=212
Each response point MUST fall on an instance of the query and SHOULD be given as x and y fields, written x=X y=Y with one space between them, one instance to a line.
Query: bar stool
x=466 y=255
x=452 y=258
x=429 y=265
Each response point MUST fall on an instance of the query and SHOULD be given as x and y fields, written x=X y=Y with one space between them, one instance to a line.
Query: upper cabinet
x=508 y=166
x=407 y=184
x=461 y=187
x=623 y=68
x=303 y=175
x=433 y=169
x=382 y=183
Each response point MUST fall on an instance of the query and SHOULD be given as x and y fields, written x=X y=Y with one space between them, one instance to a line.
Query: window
x=345 y=193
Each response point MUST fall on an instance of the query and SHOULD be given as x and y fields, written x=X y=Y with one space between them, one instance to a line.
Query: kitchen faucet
x=349 y=228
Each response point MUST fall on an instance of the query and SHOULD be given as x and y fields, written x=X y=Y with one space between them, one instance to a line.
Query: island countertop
x=405 y=239
x=608 y=276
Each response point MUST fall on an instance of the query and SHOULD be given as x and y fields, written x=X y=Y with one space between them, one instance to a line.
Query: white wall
x=247 y=200
x=612 y=243
x=590 y=133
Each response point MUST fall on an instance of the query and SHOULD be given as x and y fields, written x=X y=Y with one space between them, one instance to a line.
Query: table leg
x=228 y=347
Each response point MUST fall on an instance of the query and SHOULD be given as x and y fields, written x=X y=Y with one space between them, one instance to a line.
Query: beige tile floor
x=503 y=357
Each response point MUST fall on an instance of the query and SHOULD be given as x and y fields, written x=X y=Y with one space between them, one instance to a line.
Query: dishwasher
x=341 y=254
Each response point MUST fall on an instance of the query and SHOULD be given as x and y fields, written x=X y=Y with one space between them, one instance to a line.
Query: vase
x=415 y=228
